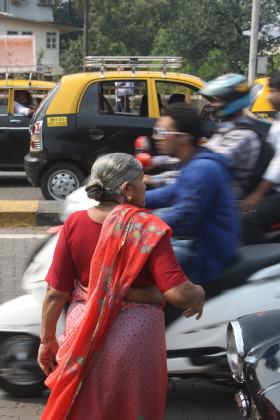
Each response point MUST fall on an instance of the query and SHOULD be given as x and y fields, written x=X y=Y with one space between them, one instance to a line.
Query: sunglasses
x=163 y=133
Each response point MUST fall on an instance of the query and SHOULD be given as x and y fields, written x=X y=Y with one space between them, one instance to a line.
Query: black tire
x=60 y=179
x=20 y=374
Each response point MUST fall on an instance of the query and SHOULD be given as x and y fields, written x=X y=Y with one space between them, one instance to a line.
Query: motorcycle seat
x=249 y=260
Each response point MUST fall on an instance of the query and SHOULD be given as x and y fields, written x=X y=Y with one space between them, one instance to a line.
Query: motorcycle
x=19 y=331
x=194 y=348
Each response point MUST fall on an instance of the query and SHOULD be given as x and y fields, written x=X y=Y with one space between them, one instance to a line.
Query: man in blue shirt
x=199 y=204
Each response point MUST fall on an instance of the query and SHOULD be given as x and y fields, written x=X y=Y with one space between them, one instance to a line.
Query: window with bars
x=3 y=102
x=46 y=3
x=51 y=40
x=124 y=97
x=12 y=32
x=26 y=33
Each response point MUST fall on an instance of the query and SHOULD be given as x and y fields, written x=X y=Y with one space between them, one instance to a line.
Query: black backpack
x=266 y=150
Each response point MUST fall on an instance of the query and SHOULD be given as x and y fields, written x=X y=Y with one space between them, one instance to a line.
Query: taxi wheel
x=61 y=179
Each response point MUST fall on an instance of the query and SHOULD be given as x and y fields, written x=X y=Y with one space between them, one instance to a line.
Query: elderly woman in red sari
x=115 y=264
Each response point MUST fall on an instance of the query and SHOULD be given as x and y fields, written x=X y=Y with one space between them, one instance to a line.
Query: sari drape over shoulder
x=128 y=236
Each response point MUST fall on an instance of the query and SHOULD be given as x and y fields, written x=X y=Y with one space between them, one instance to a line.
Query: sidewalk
x=26 y=213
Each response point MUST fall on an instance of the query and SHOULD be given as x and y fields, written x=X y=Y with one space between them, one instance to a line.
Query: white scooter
x=193 y=347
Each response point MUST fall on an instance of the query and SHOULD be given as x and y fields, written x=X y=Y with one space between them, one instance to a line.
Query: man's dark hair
x=186 y=119
x=26 y=93
x=274 y=81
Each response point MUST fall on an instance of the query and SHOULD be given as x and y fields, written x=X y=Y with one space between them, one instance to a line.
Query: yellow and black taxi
x=18 y=100
x=89 y=114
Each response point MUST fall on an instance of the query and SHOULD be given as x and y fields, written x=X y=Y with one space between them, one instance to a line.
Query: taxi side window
x=123 y=97
x=3 y=102
x=169 y=92
x=29 y=98
x=38 y=96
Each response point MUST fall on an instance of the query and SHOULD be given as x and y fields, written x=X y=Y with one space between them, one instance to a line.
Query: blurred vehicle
x=77 y=200
x=260 y=105
x=67 y=135
x=81 y=119
x=194 y=348
x=253 y=351
x=14 y=127
x=19 y=336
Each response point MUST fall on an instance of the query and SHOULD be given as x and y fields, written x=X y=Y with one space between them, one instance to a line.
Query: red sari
x=128 y=237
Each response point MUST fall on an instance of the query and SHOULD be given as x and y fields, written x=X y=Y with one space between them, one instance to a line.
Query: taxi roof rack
x=132 y=62
x=11 y=72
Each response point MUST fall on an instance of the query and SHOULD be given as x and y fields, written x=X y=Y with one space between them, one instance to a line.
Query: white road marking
x=23 y=235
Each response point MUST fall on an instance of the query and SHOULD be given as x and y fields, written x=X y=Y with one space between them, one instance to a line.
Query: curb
x=28 y=213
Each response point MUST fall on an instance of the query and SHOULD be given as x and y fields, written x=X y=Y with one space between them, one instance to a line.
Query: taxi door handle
x=15 y=121
x=96 y=134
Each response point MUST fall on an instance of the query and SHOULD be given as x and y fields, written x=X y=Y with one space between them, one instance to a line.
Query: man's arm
x=270 y=179
x=193 y=197
x=164 y=178
x=239 y=146
x=160 y=197
x=249 y=203
x=23 y=110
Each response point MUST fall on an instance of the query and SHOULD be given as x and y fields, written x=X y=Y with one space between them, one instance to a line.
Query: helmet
x=233 y=89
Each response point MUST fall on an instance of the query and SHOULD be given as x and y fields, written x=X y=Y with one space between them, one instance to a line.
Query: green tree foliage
x=72 y=55
x=208 y=34
x=126 y=26
x=71 y=46
x=116 y=27
x=274 y=63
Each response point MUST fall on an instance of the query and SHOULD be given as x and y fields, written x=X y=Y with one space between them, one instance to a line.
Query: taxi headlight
x=235 y=350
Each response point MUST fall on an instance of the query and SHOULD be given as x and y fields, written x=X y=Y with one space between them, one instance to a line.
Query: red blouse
x=76 y=245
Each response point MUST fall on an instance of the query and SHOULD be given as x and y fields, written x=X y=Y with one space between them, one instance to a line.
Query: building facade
x=34 y=18
x=41 y=10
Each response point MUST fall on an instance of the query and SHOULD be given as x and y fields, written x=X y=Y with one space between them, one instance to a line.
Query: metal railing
x=27 y=72
x=132 y=63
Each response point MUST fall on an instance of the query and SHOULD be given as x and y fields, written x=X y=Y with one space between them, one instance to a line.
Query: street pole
x=86 y=10
x=254 y=40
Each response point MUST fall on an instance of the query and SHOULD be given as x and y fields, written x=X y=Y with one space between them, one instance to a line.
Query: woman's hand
x=47 y=355
x=52 y=306
x=188 y=296
x=197 y=307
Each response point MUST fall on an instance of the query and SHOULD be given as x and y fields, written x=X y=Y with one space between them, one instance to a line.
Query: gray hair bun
x=108 y=174
x=96 y=190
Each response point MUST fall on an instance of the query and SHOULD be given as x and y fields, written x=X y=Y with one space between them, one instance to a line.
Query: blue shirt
x=202 y=205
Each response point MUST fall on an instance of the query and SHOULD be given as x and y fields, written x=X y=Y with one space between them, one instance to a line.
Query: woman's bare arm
x=53 y=304
x=187 y=296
